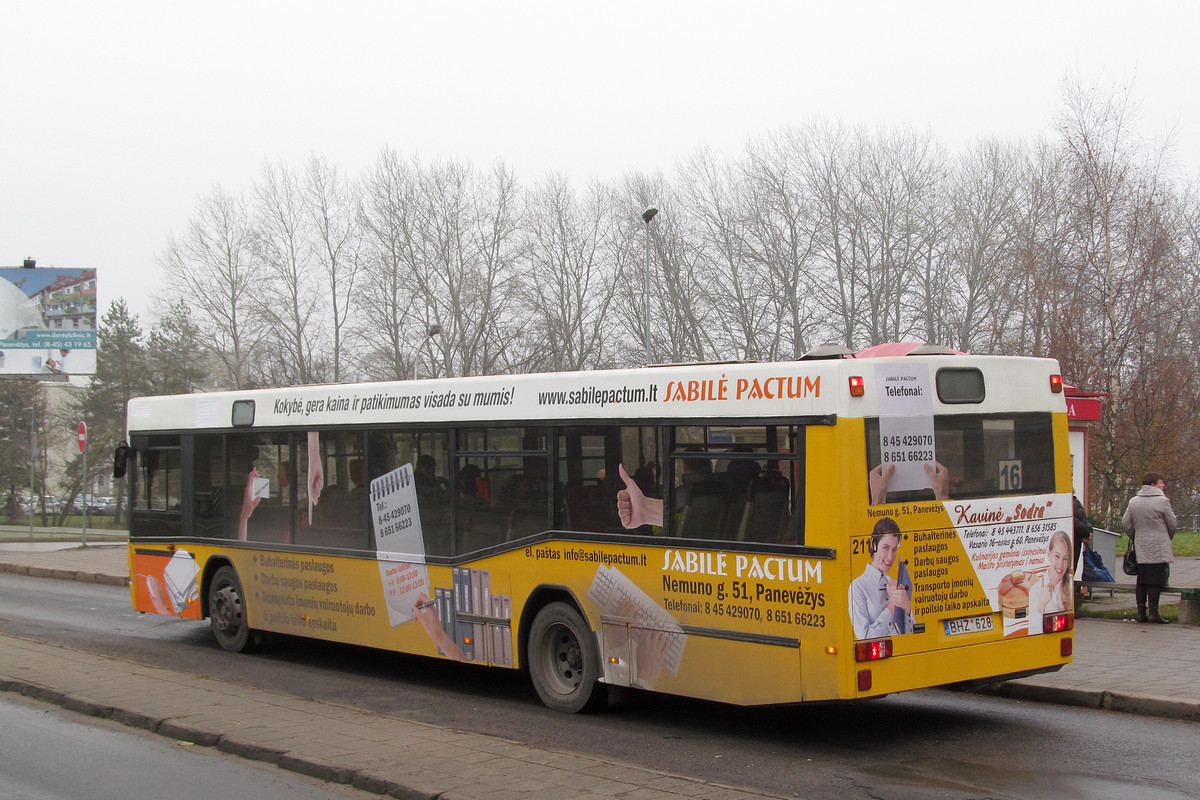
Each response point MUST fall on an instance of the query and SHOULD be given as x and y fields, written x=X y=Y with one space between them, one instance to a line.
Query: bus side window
x=428 y=453
x=503 y=486
x=258 y=487
x=208 y=493
x=740 y=484
x=589 y=463
x=158 y=487
x=339 y=507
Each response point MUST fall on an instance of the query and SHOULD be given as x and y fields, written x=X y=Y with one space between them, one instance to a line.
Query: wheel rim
x=227 y=610
x=563 y=659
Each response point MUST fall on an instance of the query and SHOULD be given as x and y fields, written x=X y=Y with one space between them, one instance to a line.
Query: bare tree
x=1081 y=248
x=444 y=249
x=1041 y=243
x=782 y=238
x=971 y=292
x=337 y=248
x=465 y=257
x=899 y=173
x=742 y=300
x=387 y=325
x=678 y=301
x=570 y=283
x=290 y=298
x=840 y=288
x=1122 y=248
x=211 y=267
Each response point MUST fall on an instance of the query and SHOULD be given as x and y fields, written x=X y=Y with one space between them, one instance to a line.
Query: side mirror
x=120 y=458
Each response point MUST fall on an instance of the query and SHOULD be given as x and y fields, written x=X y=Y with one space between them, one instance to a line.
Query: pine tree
x=176 y=360
x=122 y=371
x=18 y=399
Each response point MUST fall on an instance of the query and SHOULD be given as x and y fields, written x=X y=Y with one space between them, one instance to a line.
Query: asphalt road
x=926 y=744
x=50 y=754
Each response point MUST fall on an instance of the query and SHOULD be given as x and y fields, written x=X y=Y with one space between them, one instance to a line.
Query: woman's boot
x=1139 y=591
x=1155 y=593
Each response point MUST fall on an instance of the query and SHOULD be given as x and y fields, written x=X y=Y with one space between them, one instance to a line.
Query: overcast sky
x=119 y=116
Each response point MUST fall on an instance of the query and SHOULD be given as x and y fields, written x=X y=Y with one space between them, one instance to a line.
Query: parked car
x=53 y=505
x=95 y=504
x=104 y=506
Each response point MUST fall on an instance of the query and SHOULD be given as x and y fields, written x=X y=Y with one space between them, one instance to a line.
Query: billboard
x=47 y=321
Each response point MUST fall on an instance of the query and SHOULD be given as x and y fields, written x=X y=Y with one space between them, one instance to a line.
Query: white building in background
x=69 y=303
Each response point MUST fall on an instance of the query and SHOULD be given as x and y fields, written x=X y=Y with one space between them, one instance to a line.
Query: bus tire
x=227 y=611
x=564 y=660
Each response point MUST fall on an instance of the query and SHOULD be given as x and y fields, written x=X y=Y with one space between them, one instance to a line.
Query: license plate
x=978 y=624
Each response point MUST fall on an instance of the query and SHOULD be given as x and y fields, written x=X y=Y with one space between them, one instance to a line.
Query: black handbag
x=1130 y=566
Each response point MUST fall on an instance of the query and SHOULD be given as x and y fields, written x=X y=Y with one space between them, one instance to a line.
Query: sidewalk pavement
x=1118 y=665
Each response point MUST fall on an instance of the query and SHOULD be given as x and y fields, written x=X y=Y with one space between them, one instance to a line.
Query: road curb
x=187 y=733
x=1123 y=702
x=1153 y=706
x=293 y=762
x=313 y=768
x=249 y=750
x=64 y=574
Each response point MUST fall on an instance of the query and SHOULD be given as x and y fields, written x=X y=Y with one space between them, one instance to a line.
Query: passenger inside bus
x=760 y=512
x=430 y=487
x=433 y=504
x=696 y=478
x=738 y=474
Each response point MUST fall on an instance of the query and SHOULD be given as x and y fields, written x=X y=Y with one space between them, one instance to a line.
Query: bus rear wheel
x=564 y=660
x=227 y=611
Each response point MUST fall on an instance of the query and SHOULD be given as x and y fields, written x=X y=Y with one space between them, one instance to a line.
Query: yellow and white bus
x=755 y=533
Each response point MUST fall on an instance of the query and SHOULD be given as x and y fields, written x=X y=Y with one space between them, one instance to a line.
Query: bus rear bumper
x=972 y=664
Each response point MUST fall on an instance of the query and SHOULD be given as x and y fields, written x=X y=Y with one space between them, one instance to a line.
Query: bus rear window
x=960 y=385
x=984 y=454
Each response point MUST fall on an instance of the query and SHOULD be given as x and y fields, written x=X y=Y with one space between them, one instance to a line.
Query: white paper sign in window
x=399 y=543
x=906 y=440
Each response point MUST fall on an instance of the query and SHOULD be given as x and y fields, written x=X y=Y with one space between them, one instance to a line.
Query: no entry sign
x=82 y=431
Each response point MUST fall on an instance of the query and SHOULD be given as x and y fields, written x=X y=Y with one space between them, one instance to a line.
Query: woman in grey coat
x=1150 y=522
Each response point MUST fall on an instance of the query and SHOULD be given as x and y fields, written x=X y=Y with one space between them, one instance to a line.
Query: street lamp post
x=82 y=432
x=430 y=332
x=434 y=330
x=32 y=463
x=647 y=216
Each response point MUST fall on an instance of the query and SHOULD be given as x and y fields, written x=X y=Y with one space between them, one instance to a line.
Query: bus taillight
x=873 y=650
x=858 y=387
x=1057 y=623
x=1056 y=386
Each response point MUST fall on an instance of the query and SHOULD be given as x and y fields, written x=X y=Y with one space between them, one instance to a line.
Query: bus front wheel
x=564 y=660
x=227 y=611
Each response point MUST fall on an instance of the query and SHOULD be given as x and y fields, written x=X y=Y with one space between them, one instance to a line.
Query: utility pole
x=647 y=216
